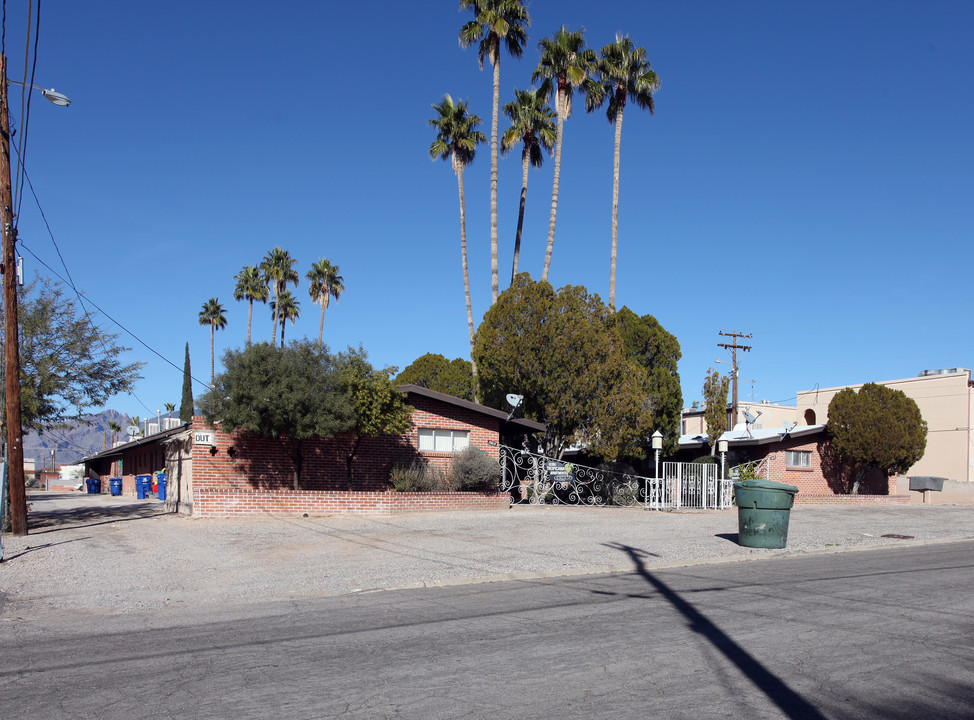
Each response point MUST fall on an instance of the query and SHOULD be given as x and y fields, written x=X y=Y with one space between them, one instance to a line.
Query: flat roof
x=758 y=436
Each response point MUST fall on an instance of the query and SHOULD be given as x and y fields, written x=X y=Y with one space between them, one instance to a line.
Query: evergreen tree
x=715 y=387
x=186 y=406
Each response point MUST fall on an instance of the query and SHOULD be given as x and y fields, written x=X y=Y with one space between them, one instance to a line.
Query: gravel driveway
x=103 y=555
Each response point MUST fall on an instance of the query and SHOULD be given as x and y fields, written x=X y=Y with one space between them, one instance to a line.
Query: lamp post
x=657 y=439
x=11 y=341
x=722 y=449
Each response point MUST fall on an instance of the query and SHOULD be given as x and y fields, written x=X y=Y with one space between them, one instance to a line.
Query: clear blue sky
x=807 y=177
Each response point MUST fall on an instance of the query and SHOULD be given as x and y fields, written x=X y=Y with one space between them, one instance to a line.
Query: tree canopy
x=434 y=372
x=658 y=352
x=877 y=427
x=290 y=393
x=379 y=408
x=68 y=365
x=559 y=350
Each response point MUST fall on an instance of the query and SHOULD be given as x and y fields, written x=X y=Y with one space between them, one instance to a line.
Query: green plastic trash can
x=763 y=511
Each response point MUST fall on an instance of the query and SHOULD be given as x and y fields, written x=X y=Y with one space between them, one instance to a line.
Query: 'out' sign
x=202 y=437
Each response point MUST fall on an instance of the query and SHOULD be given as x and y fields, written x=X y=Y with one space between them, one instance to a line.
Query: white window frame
x=804 y=458
x=442 y=440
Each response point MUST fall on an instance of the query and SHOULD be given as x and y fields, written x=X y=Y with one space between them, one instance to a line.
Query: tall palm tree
x=251 y=285
x=212 y=314
x=325 y=283
x=565 y=65
x=287 y=308
x=457 y=138
x=115 y=429
x=532 y=124
x=494 y=21
x=278 y=269
x=624 y=74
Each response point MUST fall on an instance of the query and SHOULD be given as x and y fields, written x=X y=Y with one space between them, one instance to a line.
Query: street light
x=15 y=448
x=53 y=95
x=722 y=449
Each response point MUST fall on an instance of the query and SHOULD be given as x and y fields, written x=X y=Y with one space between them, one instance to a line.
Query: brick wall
x=435 y=415
x=209 y=502
x=824 y=481
x=247 y=474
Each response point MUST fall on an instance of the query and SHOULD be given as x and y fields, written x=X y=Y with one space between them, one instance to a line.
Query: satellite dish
x=513 y=400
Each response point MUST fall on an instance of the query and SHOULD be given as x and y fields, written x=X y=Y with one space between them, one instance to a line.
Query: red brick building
x=801 y=457
x=214 y=473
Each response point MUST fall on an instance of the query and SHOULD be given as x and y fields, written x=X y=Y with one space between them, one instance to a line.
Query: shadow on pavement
x=731 y=537
x=46 y=515
x=791 y=703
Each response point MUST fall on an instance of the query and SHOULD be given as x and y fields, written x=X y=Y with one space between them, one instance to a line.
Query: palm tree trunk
x=494 y=284
x=615 y=208
x=520 y=213
x=463 y=257
x=250 y=317
x=554 y=188
x=274 y=316
x=212 y=355
x=321 y=324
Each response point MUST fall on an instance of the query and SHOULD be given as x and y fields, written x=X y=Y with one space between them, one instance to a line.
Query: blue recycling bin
x=143 y=484
x=94 y=486
x=115 y=485
x=161 y=480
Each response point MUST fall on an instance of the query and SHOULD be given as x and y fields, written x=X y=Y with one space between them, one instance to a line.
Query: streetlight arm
x=51 y=94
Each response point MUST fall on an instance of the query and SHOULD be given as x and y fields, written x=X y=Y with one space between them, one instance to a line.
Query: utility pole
x=734 y=347
x=11 y=341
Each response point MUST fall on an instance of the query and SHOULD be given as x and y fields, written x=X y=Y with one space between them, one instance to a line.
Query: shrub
x=416 y=477
x=473 y=469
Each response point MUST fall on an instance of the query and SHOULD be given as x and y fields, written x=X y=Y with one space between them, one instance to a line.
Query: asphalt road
x=887 y=633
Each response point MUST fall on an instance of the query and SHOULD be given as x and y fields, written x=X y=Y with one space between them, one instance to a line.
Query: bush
x=416 y=476
x=475 y=470
x=708 y=460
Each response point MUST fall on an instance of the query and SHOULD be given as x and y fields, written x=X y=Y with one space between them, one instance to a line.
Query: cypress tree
x=186 y=406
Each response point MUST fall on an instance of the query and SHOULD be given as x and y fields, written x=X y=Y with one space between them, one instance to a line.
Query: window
x=798 y=459
x=443 y=440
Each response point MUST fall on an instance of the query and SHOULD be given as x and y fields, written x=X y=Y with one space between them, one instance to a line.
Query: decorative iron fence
x=539 y=480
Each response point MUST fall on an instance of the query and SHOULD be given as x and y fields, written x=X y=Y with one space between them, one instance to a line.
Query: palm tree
x=287 y=307
x=325 y=283
x=136 y=422
x=532 y=125
x=457 y=138
x=170 y=409
x=565 y=64
x=115 y=429
x=624 y=73
x=278 y=270
x=212 y=314
x=493 y=21
x=251 y=285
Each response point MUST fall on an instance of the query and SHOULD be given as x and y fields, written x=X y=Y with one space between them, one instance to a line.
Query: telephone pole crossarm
x=734 y=347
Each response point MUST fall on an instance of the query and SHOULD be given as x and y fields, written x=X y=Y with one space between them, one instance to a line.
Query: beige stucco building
x=945 y=401
x=769 y=415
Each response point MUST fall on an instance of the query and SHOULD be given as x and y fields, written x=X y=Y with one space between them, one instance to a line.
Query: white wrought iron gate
x=537 y=479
